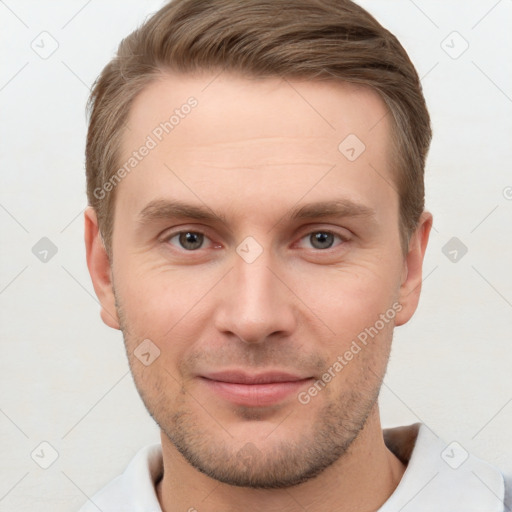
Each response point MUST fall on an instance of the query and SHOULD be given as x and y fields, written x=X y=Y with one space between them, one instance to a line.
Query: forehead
x=255 y=107
x=216 y=129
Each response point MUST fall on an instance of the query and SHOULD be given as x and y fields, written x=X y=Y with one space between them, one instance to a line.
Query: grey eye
x=321 y=239
x=190 y=240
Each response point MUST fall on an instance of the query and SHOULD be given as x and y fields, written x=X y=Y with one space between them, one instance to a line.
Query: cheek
x=147 y=288
x=165 y=306
x=348 y=298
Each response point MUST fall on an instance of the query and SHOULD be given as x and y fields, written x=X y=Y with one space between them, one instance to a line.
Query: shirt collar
x=439 y=476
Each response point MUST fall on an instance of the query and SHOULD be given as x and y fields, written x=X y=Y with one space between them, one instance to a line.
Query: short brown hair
x=310 y=39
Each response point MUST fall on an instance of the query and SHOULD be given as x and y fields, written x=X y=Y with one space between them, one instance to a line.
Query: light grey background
x=64 y=375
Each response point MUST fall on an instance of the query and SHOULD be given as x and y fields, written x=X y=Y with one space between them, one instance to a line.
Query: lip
x=254 y=390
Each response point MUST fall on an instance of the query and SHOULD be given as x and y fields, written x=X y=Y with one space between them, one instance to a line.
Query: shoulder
x=134 y=489
x=111 y=498
x=508 y=491
x=450 y=477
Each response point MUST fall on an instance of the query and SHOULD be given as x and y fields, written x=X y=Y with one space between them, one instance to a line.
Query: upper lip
x=241 y=377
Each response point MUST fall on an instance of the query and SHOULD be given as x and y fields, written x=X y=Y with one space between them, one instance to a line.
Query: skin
x=251 y=151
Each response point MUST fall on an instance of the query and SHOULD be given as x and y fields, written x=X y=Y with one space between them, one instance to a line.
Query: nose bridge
x=255 y=303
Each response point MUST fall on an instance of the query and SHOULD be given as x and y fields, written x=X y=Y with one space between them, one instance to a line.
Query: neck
x=362 y=479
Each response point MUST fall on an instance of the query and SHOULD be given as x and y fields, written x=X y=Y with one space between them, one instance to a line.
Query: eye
x=322 y=239
x=188 y=240
x=193 y=240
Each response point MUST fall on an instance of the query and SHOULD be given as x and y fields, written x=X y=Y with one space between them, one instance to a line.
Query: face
x=262 y=261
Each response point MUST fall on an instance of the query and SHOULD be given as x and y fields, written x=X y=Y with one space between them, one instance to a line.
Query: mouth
x=254 y=390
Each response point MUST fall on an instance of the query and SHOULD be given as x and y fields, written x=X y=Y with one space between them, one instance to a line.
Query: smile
x=254 y=390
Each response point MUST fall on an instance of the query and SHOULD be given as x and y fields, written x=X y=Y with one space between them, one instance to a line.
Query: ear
x=100 y=269
x=410 y=288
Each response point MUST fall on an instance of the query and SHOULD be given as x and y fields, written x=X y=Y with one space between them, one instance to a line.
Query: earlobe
x=411 y=279
x=100 y=269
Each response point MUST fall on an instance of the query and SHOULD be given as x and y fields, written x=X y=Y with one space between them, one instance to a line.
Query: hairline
x=167 y=71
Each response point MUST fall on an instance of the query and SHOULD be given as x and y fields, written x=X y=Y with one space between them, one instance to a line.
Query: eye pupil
x=322 y=240
x=191 y=240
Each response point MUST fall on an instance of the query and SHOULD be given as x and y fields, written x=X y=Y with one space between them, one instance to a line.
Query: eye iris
x=322 y=240
x=191 y=240
x=319 y=240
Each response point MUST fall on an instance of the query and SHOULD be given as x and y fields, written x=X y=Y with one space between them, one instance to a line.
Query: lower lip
x=255 y=395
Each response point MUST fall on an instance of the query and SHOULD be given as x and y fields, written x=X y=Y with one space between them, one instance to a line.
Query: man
x=257 y=229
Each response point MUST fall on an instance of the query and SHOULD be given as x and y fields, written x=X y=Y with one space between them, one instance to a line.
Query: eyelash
x=169 y=237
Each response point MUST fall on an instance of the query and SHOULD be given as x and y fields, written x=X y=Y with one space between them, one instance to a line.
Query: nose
x=256 y=302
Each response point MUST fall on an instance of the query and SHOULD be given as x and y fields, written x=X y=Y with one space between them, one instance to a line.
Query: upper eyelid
x=303 y=234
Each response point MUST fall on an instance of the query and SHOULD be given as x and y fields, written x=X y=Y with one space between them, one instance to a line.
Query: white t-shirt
x=439 y=477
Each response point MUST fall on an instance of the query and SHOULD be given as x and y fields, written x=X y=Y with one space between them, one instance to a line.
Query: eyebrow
x=164 y=209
